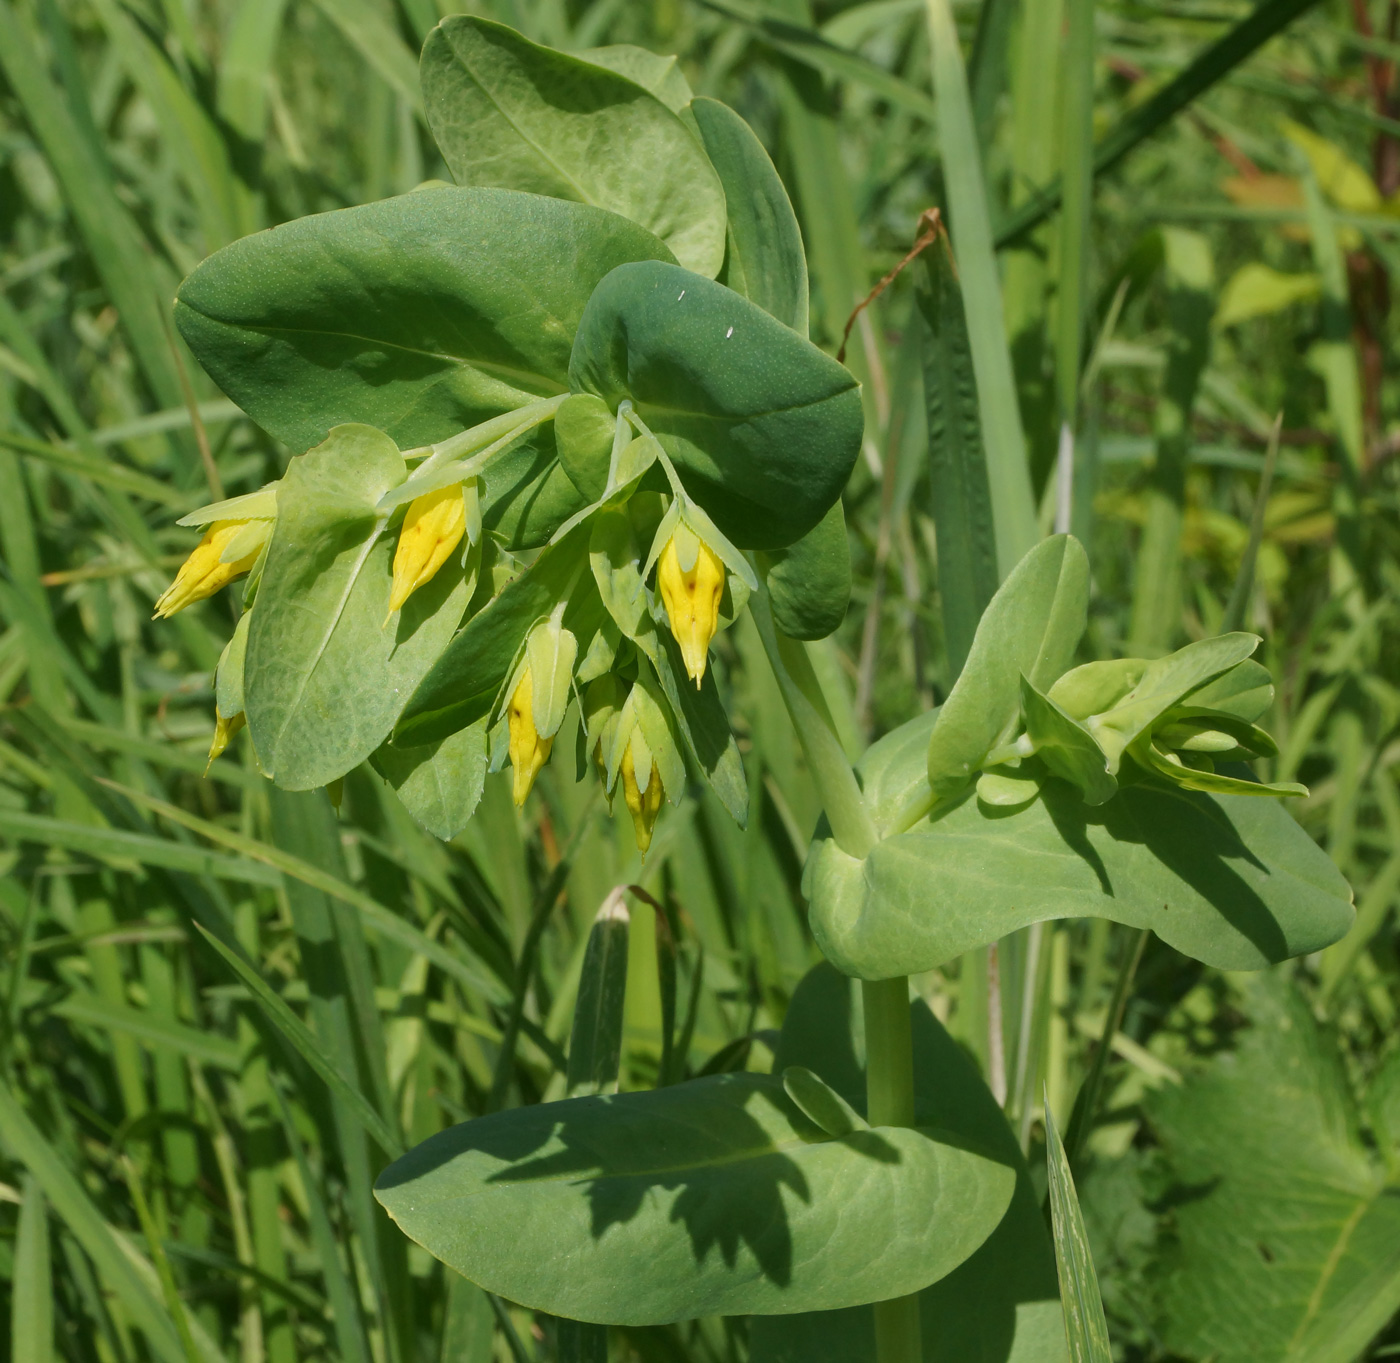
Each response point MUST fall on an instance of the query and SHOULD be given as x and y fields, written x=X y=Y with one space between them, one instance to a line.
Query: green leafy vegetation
x=523 y=395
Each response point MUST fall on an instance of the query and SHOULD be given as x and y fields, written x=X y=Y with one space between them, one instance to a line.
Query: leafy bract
x=765 y=261
x=466 y=680
x=761 y=425
x=421 y=315
x=704 y=726
x=1286 y=1243
x=324 y=676
x=1164 y=682
x=1002 y=1303
x=1230 y=880
x=509 y=113
x=1065 y=746
x=440 y=783
x=660 y=74
x=1030 y=628
x=717 y=1196
x=809 y=584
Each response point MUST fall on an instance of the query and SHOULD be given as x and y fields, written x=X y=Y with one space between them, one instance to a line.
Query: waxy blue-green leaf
x=422 y=315
x=1164 y=682
x=1065 y=746
x=809 y=583
x=509 y=113
x=1244 y=691
x=325 y=676
x=440 y=783
x=1031 y=628
x=1230 y=880
x=1001 y=1304
x=467 y=678
x=713 y=1197
x=765 y=261
x=761 y=425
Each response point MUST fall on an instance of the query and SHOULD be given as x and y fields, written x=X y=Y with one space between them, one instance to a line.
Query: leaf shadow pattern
x=602 y=1178
x=1000 y=1304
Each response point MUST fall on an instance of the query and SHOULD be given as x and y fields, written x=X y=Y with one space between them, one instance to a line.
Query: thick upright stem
x=889 y=1051
x=889 y=1095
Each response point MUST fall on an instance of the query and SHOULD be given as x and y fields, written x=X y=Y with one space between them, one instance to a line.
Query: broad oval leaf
x=1001 y=1303
x=809 y=584
x=421 y=315
x=1030 y=628
x=1230 y=880
x=713 y=1197
x=764 y=261
x=510 y=113
x=762 y=426
x=324 y=675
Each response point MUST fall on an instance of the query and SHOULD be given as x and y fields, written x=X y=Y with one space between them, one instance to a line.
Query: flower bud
x=528 y=751
x=432 y=528
x=691 y=592
x=224 y=731
x=643 y=802
x=206 y=572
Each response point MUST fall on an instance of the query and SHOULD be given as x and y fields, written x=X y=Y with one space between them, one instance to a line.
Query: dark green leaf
x=962 y=499
x=809 y=584
x=470 y=314
x=765 y=261
x=763 y=427
x=1286 y=1244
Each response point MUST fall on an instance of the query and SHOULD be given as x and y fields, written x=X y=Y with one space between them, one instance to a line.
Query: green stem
x=889 y=1097
x=889 y=1050
x=846 y=810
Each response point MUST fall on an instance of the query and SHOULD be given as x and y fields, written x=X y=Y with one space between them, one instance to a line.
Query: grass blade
x=310 y=1048
x=71 y=1203
x=31 y=1303
x=1085 y=1326
x=1008 y=477
x=962 y=506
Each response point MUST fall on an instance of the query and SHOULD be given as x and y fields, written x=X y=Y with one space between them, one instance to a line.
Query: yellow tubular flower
x=643 y=805
x=202 y=574
x=692 y=602
x=432 y=529
x=224 y=730
x=528 y=751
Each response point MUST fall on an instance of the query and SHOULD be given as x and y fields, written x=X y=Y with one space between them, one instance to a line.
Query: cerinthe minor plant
x=562 y=423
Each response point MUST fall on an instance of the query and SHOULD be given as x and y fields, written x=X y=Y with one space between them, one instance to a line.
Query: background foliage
x=175 y=1182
